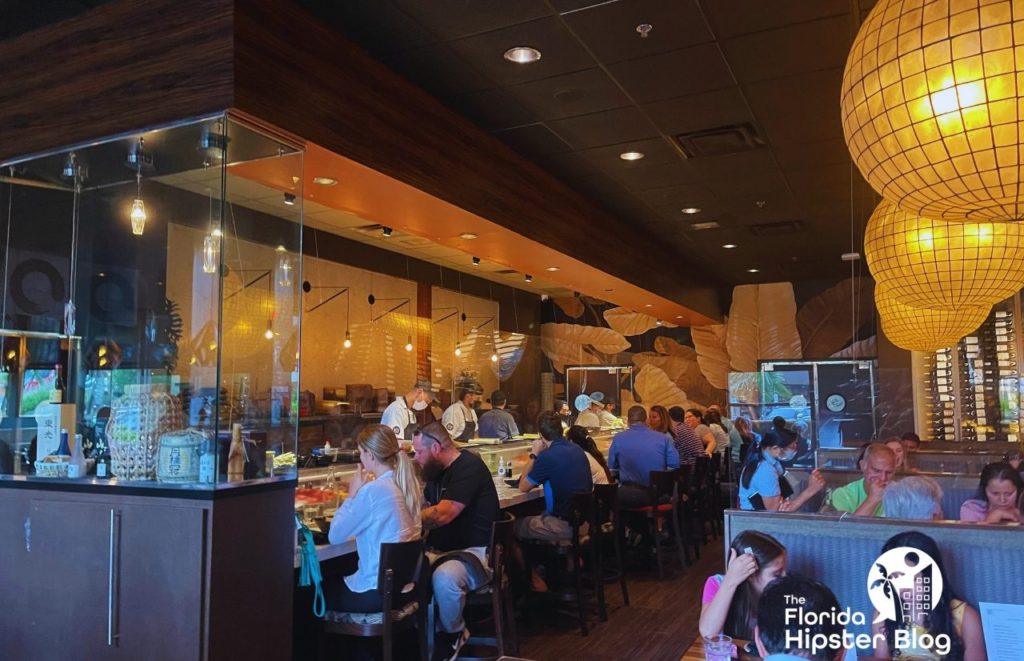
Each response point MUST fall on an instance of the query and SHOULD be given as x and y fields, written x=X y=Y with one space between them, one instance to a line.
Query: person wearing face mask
x=762 y=485
x=588 y=409
x=399 y=416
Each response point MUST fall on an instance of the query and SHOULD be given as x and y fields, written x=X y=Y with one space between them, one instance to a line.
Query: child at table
x=729 y=603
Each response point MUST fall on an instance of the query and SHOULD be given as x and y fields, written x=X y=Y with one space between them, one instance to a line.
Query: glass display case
x=150 y=308
x=971 y=392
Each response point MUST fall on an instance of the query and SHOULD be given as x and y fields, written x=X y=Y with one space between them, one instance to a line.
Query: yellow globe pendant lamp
x=944 y=265
x=923 y=329
x=933 y=106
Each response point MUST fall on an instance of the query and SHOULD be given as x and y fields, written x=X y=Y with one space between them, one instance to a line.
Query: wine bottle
x=57 y=394
x=63 y=448
x=207 y=463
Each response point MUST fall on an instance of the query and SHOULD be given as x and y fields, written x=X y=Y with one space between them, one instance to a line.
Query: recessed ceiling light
x=289 y=199
x=753 y=270
x=529 y=278
x=522 y=55
x=649 y=305
x=469 y=236
x=728 y=246
x=710 y=225
x=679 y=316
x=690 y=210
x=552 y=268
x=325 y=181
x=386 y=231
x=631 y=155
x=476 y=261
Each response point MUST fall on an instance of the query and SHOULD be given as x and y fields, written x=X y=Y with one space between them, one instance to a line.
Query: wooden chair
x=401 y=566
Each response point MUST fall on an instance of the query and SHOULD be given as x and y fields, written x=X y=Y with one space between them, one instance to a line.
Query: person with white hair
x=917 y=498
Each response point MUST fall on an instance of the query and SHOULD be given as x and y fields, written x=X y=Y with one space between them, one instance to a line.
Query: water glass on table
x=718 y=648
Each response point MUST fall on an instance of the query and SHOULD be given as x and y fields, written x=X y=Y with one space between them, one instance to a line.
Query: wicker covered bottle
x=137 y=420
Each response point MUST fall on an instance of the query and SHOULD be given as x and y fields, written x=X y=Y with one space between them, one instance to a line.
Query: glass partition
x=150 y=308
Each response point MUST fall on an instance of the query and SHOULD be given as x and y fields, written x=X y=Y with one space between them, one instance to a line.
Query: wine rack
x=971 y=391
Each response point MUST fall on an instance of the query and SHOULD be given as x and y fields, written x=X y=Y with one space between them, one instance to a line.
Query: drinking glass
x=718 y=648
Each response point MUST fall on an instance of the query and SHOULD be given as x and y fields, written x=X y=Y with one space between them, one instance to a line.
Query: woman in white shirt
x=383 y=506
x=598 y=465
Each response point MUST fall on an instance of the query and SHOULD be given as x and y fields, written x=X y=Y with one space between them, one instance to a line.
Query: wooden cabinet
x=123 y=575
x=114 y=581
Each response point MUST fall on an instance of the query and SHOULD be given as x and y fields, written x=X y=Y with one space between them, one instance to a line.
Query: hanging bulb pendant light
x=211 y=245
x=458 y=350
x=408 y=344
x=138 y=215
x=348 y=341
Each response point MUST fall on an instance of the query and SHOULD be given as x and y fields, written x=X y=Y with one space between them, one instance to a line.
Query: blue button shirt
x=765 y=481
x=638 y=451
x=563 y=469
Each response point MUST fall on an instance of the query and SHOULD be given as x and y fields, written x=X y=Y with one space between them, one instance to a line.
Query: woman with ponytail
x=761 y=481
x=383 y=506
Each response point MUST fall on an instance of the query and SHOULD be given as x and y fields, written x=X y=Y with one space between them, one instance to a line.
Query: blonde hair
x=381 y=442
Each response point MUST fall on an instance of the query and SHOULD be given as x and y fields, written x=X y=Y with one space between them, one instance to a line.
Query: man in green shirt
x=864 y=497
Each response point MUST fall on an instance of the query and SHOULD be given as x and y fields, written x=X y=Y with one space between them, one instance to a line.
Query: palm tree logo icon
x=904 y=584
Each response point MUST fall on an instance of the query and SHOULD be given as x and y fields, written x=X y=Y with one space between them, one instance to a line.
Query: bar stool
x=401 y=566
x=664 y=508
x=581 y=513
x=608 y=528
x=688 y=512
x=495 y=595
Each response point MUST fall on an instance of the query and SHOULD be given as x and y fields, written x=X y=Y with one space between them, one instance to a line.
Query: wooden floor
x=659 y=624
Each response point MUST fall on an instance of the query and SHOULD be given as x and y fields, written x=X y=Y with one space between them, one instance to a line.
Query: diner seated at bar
x=437 y=330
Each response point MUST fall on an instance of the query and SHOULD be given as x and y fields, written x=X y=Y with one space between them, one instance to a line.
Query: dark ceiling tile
x=492 y=109
x=677 y=73
x=750 y=185
x=604 y=128
x=734 y=167
x=656 y=151
x=679 y=197
x=568 y=166
x=532 y=140
x=814 y=179
x=736 y=17
x=700 y=111
x=19 y=17
x=578 y=93
x=569 y=6
x=438 y=69
x=609 y=29
x=788 y=51
x=798 y=109
x=813 y=154
x=377 y=26
x=653 y=176
x=560 y=52
x=453 y=19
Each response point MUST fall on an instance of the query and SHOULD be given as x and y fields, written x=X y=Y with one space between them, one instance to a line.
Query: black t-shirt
x=466 y=481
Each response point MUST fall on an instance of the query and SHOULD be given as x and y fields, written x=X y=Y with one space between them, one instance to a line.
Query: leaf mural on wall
x=712 y=355
x=867 y=348
x=673 y=366
x=669 y=347
x=570 y=305
x=762 y=325
x=826 y=322
x=654 y=387
x=570 y=344
x=628 y=323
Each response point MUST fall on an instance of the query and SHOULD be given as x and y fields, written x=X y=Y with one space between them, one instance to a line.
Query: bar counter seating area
x=542 y=329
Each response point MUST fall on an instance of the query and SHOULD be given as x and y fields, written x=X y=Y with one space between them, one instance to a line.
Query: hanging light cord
x=7 y=246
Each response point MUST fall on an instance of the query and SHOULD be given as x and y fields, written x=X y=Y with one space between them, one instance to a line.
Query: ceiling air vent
x=369 y=229
x=783 y=228
x=506 y=272
x=730 y=139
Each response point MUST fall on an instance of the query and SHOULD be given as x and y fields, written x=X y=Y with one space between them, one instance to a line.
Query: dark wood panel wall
x=132 y=64
x=124 y=66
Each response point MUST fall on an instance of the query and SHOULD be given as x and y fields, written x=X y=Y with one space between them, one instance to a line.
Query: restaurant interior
x=238 y=237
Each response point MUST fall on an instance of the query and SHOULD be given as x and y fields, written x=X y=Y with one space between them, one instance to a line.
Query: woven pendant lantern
x=931 y=106
x=944 y=265
x=922 y=329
